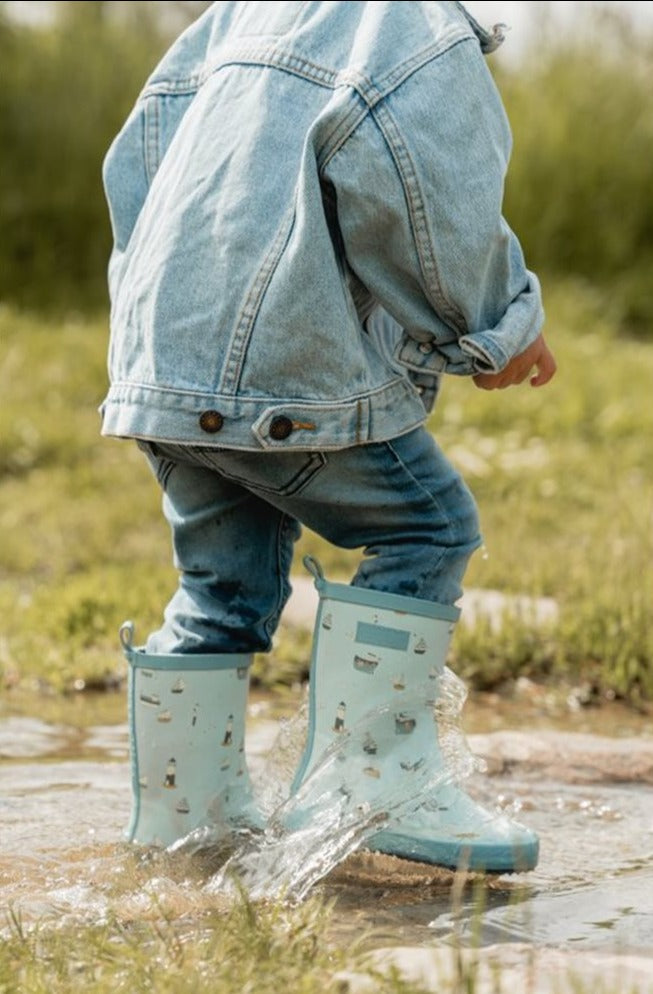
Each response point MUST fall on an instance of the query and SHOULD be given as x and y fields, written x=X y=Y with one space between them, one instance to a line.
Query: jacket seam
x=370 y=93
x=246 y=55
x=404 y=70
x=373 y=97
x=405 y=166
x=151 y=138
x=237 y=348
x=276 y=58
x=340 y=133
x=269 y=401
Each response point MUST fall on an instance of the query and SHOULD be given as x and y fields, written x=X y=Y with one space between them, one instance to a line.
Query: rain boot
x=187 y=743
x=377 y=661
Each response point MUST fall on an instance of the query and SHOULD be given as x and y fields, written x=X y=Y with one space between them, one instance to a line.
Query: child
x=306 y=208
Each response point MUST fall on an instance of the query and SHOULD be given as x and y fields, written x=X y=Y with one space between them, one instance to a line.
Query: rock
x=569 y=757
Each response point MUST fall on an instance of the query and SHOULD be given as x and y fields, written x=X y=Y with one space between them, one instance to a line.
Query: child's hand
x=537 y=355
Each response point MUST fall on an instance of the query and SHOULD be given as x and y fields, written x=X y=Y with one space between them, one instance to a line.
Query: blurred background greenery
x=69 y=81
x=564 y=477
x=580 y=193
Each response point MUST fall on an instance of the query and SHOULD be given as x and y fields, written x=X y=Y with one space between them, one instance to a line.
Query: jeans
x=236 y=515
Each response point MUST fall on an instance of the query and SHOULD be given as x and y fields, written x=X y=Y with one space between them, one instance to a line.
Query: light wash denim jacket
x=306 y=208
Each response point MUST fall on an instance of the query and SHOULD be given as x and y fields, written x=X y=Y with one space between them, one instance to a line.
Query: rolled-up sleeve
x=419 y=187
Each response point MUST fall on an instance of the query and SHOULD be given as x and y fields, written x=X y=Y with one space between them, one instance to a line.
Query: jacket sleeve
x=125 y=176
x=419 y=189
x=126 y=183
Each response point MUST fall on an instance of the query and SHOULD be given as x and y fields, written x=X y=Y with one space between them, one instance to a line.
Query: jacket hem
x=251 y=423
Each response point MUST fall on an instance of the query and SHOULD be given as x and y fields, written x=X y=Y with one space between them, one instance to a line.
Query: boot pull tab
x=126 y=634
x=314 y=568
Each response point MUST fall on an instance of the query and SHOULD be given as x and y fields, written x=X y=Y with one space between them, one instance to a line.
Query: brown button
x=280 y=428
x=211 y=421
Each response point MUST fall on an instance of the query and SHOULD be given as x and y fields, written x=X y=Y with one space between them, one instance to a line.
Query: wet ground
x=581 y=776
x=64 y=800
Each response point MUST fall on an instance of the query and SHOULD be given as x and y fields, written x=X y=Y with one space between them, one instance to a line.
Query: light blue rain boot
x=187 y=743
x=377 y=657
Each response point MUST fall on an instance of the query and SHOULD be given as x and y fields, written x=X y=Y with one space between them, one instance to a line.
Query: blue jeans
x=236 y=515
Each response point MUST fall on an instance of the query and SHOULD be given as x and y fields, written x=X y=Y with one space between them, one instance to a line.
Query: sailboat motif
x=404 y=724
x=366 y=664
x=152 y=699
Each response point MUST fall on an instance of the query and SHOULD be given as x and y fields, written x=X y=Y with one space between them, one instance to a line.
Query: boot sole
x=464 y=855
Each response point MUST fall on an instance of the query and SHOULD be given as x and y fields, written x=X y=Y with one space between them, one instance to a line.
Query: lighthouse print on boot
x=186 y=713
x=389 y=651
x=339 y=723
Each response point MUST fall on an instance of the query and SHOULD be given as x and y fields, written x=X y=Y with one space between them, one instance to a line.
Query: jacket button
x=280 y=428
x=211 y=421
x=425 y=348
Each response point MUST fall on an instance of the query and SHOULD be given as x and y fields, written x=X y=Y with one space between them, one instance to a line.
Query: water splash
x=273 y=783
x=347 y=798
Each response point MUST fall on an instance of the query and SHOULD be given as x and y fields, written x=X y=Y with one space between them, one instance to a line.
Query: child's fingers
x=546 y=368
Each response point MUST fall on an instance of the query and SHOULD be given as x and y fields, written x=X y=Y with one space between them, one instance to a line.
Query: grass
x=248 y=949
x=563 y=477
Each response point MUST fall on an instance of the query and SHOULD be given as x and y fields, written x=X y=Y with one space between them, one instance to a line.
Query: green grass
x=262 y=949
x=563 y=477
x=579 y=193
x=242 y=949
x=564 y=480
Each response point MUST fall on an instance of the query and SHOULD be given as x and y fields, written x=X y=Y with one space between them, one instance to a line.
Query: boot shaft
x=373 y=744
x=372 y=651
x=187 y=740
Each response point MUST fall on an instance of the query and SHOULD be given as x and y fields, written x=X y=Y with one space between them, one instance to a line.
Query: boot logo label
x=385 y=638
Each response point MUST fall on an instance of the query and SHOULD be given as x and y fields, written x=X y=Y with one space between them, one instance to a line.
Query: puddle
x=591 y=889
x=65 y=797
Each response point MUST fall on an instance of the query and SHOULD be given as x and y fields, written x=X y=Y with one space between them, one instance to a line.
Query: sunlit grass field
x=563 y=478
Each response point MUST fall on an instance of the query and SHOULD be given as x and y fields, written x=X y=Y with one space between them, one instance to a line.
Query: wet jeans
x=236 y=515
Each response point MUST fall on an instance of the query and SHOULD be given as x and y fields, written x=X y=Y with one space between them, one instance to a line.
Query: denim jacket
x=306 y=210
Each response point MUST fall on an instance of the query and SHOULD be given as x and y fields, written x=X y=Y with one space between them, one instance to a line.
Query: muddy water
x=584 y=783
